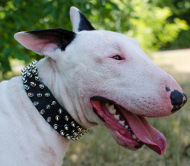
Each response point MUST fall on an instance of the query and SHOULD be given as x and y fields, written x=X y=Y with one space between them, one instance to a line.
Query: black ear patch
x=84 y=23
x=61 y=37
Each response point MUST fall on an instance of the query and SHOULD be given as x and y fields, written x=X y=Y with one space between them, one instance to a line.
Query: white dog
x=87 y=77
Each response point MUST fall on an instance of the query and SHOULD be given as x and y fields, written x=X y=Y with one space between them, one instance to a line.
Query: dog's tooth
x=112 y=111
x=116 y=117
x=127 y=126
x=111 y=106
x=107 y=105
x=138 y=140
x=122 y=122
x=134 y=136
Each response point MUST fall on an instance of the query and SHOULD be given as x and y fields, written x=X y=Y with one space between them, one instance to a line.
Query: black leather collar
x=48 y=106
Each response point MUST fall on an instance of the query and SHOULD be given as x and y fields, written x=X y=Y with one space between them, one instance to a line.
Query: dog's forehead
x=98 y=37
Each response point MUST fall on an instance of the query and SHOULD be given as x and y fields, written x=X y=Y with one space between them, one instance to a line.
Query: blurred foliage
x=179 y=9
x=153 y=23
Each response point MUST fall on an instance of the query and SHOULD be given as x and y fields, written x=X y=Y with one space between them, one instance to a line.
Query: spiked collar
x=48 y=106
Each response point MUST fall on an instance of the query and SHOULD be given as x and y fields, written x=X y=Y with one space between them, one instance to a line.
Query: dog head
x=109 y=80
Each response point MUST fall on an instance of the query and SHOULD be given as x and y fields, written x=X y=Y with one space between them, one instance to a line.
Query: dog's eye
x=117 y=57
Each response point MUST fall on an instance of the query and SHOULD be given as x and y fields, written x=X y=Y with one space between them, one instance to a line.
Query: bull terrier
x=87 y=77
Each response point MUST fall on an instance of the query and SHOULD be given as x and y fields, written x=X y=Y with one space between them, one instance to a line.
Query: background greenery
x=154 y=23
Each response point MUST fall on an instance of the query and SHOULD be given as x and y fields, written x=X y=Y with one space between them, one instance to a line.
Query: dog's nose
x=178 y=99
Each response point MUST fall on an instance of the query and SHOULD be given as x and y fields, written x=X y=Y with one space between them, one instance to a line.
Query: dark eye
x=117 y=57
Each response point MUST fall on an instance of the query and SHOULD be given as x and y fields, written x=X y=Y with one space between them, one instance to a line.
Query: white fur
x=85 y=69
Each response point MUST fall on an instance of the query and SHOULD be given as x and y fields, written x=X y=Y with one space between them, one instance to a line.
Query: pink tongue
x=146 y=133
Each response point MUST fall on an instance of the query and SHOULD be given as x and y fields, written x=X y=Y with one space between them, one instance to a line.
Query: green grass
x=98 y=148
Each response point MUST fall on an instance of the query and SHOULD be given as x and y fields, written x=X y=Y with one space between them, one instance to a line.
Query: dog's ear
x=79 y=21
x=45 y=42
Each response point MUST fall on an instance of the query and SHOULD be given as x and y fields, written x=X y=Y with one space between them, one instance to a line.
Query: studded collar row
x=48 y=106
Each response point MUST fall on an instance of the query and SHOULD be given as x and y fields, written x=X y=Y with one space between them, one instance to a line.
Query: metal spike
x=23 y=79
x=83 y=131
x=26 y=87
x=68 y=136
x=66 y=118
x=55 y=126
x=48 y=106
x=47 y=94
x=34 y=62
x=48 y=119
x=36 y=103
x=73 y=138
x=66 y=127
x=33 y=66
x=23 y=74
x=37 y=78
x=39 y=95
x=74 y=133
x=42 y=111
x=79 y=128
x=30 y=94
x=34 y=71
x=73 y=124
x=23 y=70
x=80 y=135
x=32 y=84
x=62 y=132
x=76 y=138
x=41 y=86
x=53 y=103
x=60 y=110
x=57 y=117
x=29 y=75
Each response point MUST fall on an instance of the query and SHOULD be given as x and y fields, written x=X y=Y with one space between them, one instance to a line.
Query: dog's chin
x=131 y=131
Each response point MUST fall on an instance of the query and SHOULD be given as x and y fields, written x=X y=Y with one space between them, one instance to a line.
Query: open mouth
x=129 y=130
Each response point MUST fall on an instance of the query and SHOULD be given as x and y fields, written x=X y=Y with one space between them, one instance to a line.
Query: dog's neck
x=47 y=105
x=62 y=90
x=48 y=73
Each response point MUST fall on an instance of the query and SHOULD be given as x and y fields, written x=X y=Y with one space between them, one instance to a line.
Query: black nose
x=178 y=99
